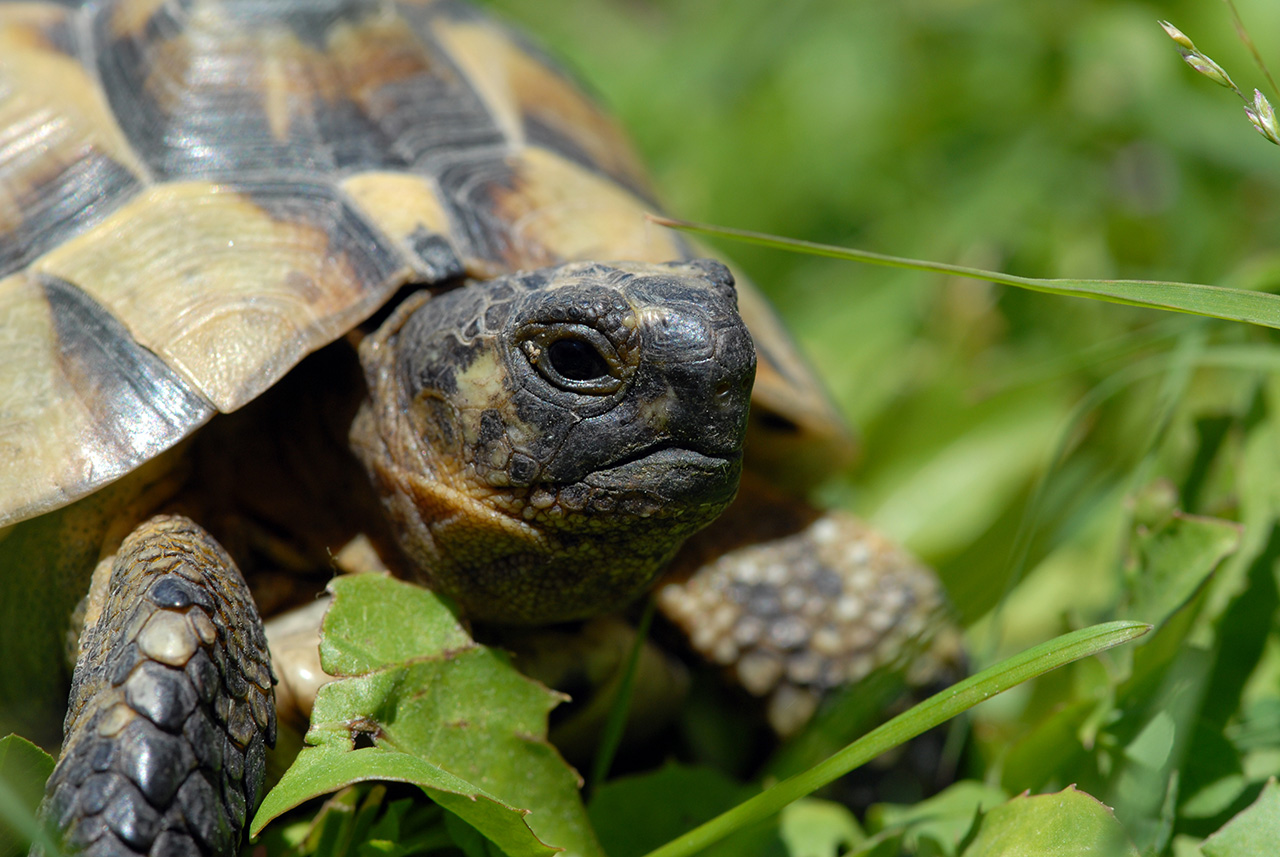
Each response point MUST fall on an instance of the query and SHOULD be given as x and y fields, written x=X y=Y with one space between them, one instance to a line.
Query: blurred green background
x=1054 y=138
x=1059 y=461
x=1030 y=447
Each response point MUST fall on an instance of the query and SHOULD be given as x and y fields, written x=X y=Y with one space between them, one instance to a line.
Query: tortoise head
x=545 y=441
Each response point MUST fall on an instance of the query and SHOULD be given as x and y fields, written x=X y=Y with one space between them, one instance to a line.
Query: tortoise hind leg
x=171 y=707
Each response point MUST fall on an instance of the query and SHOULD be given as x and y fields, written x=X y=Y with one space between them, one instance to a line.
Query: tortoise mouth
x=668 y=454
x=674 y=472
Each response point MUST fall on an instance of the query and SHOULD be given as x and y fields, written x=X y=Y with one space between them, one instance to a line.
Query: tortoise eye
x=574 y=358
x=577 y=360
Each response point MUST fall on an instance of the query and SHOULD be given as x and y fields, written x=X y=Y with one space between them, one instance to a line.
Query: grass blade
x=935 y=710
x=617 y=722
x=1258 y=308
x=1243 y=34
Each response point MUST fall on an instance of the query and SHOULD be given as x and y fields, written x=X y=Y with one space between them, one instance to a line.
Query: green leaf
x=819 y=828
x=1065 y=824
x=1174 y=561
x=942 y=820
x=320 y=771
x=394 y=624
x=24 y=768
x=453 y=718
x=1212 y=301
x=1254 y=831
x=919 y=719
x=635 y=814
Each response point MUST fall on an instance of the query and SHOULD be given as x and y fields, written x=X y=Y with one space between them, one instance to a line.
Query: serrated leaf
x=319 y=771
x=1065 y=824
x=1256 y=830
x=468 y=839
x=451 y=717
x=393 y=624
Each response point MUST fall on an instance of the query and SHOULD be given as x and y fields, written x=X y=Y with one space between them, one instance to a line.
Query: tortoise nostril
x=723 y=389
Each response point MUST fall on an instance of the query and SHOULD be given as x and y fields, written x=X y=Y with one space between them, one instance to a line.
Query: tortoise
x=550 y=400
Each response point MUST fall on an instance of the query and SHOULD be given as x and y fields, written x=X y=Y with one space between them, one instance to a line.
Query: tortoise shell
x=194 y=194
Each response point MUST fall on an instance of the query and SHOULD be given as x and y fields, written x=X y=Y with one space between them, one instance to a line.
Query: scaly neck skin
x=544 y=442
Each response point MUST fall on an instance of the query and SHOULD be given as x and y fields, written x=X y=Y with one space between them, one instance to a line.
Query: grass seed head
x=1178 y=36
x=1263 y=117
x=1199 y=61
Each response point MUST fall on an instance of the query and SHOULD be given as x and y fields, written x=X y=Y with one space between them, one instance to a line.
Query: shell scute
x=64 y=164
x=408 y=209
x=536 y=103
x=528 y=209
x=222 y=90
x=232 y=285
x=88 y=405
x=238 y=182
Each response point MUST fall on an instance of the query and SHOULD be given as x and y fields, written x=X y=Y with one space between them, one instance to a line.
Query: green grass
x=1056 y=459
x=1060 y=461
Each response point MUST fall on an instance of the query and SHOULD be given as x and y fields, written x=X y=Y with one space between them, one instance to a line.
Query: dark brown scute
x=62 y=203
x=436 y=261
x=312 y=90
x=468 y=189
x=374 y=261
x=141 y=406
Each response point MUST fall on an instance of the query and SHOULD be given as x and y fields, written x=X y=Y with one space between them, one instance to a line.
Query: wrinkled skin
x=545 y=442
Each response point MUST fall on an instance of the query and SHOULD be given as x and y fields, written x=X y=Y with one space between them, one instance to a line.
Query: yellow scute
x=559 y=211
x=226 y=293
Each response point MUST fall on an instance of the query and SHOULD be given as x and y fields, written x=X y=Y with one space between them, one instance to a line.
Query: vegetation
x=1061 y=462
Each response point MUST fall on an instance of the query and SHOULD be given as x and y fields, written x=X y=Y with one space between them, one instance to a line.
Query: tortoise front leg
x=794 y=601
x=171 y=708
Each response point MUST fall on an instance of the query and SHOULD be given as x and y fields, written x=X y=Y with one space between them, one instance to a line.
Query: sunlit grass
x=1061 y=462
x=1014 y=439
